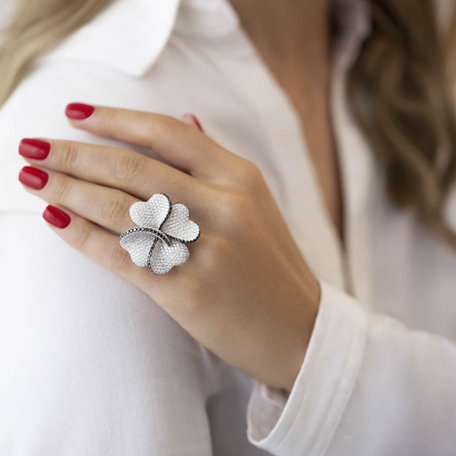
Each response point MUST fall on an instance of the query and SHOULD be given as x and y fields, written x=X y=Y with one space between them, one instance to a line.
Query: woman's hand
x=245 y=292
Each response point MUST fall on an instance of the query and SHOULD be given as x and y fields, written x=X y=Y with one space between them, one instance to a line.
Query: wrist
x=297 y=355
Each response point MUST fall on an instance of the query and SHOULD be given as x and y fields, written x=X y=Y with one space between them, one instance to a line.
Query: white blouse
x=92 y=366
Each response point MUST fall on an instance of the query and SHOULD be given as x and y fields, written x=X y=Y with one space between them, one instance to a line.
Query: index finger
x=176 y=142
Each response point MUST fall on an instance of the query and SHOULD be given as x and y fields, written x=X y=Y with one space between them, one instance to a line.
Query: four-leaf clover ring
x=162 y=232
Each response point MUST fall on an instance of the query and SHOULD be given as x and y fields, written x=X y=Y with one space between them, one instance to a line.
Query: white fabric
x=92 y=366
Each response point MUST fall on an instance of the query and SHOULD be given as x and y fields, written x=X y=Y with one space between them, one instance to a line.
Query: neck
x=289 y=33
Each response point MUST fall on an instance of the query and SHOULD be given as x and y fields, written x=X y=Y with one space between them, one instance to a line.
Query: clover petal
x=164 y=257
x=138 y=243
x=151 y=213
x=179 y=226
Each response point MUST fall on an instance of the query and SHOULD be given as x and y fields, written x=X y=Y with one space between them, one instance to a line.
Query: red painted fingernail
x=197 y=122
x=56 y=217
x=33 y=177
x=34 y=148
x=79 y=111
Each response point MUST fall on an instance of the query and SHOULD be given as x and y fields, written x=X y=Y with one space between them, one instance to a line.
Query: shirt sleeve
x=90 y=365
x=368 y=385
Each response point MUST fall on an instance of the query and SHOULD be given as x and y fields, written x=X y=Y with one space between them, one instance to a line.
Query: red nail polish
x=33 y=177
x=79 y=111
x=197 y=123
x=56 y=217
x=34 y=148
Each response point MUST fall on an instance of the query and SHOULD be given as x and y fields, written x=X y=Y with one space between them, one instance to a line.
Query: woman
x=333 y=294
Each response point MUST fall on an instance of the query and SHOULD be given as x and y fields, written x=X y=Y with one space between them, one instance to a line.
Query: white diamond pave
x=158 y=241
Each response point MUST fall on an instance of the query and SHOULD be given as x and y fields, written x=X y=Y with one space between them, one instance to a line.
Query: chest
x=315 y=119
x=307 y=85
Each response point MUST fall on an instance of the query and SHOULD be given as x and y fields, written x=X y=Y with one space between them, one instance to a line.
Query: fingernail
x=56 y=217
x=33 y=177
x=197 y=122
x=79 y=111
x=34 y=148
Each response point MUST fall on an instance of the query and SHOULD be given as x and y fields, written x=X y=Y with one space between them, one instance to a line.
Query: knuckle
x=167 y=124
x=163 y=127
x=61 y=190
x=249 y=176
x=232 y=204
x=69 y=155
x=81 y=239
x=128 y=166
x=114 y=208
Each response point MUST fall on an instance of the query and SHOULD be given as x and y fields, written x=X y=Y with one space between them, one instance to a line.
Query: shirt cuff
x=304 y=421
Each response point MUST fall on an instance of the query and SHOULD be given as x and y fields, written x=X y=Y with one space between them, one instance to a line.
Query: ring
x=161 y=233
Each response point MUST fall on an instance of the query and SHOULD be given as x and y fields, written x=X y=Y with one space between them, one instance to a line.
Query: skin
x=293 y=40
x=254 y=307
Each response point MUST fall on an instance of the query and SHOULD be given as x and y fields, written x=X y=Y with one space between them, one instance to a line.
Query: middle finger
x=124 y=169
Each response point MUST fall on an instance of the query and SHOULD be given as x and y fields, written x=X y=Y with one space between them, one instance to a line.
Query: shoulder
x=100 y=63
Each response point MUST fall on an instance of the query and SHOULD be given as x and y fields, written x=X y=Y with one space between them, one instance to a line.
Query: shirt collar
x=129 y=35
x=217 y=18
x=207 y=18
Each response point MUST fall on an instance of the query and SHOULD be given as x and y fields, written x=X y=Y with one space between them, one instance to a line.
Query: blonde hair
x=398 y=90
x=34 y=28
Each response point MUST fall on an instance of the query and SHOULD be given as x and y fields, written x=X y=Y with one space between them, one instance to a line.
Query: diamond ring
x=161 y=233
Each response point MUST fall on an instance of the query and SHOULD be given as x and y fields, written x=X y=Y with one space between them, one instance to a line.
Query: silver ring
x=161 y=233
